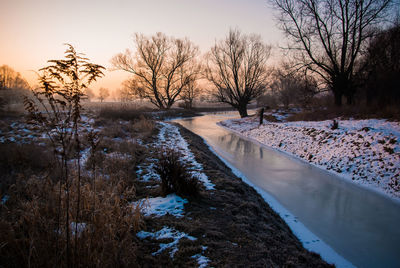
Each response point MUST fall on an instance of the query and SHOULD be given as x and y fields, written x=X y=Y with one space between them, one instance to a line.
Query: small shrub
x=388 y=149
x=114 y=130
x=335 y=125
x=143 y=125
x=175 y=177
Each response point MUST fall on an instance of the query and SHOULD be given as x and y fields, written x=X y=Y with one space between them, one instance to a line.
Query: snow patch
x=166 y=233
x=160 y=206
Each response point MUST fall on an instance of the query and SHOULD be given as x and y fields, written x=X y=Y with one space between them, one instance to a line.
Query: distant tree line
x=10 y=79
x=343 y=47
x=334 y=46
x=12 y=86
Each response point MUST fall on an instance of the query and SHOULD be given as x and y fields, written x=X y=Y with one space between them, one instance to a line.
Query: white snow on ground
x=309 y=240
x=170 y=137
x=201 y=260
x=160 y=206
x=364 y=151
x=166 y=233
x=146 y=171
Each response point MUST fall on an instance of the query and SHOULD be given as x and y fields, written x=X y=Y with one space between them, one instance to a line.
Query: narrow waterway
x=360 y=225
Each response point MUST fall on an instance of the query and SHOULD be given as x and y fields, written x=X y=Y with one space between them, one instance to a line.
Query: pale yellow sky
x=34 y=31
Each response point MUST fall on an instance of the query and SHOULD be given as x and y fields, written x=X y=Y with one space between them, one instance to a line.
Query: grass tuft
x=175 y=176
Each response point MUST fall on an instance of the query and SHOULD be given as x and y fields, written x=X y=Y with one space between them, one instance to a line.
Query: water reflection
x=360 y=225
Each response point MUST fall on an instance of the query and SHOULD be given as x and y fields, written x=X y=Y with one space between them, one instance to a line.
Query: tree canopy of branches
x=329 y=35
x=382 y=76
x=160 y=67
x=293 y=87
x=236 y=66
x=103 y=93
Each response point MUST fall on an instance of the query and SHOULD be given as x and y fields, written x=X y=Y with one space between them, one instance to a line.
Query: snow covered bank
x=160 y=206
x=169 y=137
x=364 y=151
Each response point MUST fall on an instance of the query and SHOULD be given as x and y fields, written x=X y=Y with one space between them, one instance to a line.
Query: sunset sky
x=34 y=31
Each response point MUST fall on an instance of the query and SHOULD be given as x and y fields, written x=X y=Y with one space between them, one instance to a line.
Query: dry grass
x=22 y=160
x=33 y=228
x=175 y=177
x=357 y=112
x=143 y=125
x=122 y=113
x=31 y=235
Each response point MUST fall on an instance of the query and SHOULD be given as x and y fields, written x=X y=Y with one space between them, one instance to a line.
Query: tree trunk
x=242 y=109
x=338 y=98
x=350 y=99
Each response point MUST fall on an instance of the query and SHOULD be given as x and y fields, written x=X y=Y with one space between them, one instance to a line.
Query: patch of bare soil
x=233 y=225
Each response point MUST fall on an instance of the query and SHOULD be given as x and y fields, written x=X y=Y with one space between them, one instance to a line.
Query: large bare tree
x=160 y=67
x=236 y=66
x=328 y=37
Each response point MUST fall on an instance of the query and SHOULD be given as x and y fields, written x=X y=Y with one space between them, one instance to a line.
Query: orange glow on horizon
x=34 y=31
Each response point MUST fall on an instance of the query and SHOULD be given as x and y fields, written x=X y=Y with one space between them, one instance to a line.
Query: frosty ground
x=227 y=224
x=366 y=152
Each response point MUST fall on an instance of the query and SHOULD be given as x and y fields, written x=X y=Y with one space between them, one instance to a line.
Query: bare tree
x=191 y=90
x=10 y=79
x=236 y=66
x=292 y=87
x=88 y=94
x=381 y=78
x=103 y=93
x=328 y=35
x=160 y=67
x=189 y=93
x=128 y=90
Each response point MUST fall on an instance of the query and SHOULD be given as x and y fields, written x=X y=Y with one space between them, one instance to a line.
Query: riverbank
x=230 y=220
x=226 y=224
x=366 y=152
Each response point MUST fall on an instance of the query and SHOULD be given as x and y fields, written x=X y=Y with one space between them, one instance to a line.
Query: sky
x=34 y=31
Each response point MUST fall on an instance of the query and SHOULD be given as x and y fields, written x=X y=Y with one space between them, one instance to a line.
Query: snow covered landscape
x=121 y=143
x=366 y=152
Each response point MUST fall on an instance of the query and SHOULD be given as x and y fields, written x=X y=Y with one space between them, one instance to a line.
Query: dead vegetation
x=320 y=113
x=175 y=176
x=33 y=207
x=232 y=225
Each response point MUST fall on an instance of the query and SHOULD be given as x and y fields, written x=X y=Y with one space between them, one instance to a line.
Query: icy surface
x=160 y=206
x=364 y=151
x=166 y=233
x=309 y=240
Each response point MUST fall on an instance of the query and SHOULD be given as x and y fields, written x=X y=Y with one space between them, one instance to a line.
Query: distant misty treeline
x=342 y=51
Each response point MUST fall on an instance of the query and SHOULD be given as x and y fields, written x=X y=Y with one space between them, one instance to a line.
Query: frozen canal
x=360 y=225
